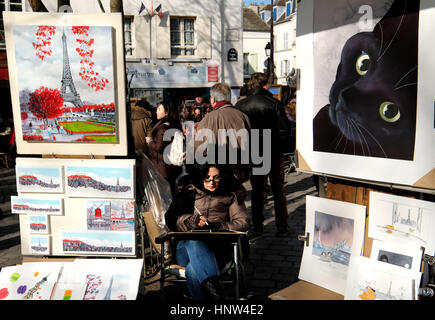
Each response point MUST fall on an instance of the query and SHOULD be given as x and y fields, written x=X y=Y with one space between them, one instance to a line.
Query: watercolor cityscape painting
x=40 y=245
x=106 y=182
x=21 y=205
x=38 y=224
x=98 y=242
x=39 y=179
x=98 y=215
x=122 y=215
x=75 y=99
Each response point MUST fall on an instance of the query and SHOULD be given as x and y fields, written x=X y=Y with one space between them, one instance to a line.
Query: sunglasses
x=212 y=179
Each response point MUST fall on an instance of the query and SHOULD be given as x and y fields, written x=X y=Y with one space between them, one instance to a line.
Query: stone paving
x=273 y=262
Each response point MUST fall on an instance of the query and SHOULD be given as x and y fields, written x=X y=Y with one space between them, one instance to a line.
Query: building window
x=285 y=41
x=285 y=66
x=128 y=36
x=8 y=5
x=183 y=37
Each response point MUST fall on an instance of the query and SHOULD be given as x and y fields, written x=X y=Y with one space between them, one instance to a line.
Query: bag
x=177 y=154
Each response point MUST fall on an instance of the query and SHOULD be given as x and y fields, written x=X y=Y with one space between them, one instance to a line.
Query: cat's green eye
x=362 y=64
x=389 y=112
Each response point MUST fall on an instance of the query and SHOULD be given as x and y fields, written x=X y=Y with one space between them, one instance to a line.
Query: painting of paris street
x=65 y=81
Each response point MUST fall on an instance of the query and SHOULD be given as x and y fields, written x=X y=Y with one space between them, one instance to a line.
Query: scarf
x=220 y=104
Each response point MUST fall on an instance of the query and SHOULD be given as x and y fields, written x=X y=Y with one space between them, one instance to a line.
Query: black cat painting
x=373 y=101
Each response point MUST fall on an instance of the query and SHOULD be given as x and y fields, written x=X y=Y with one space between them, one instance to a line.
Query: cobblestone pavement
x=273 y=262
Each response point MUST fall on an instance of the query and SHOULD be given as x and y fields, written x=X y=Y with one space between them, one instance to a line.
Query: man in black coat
x=266 y=112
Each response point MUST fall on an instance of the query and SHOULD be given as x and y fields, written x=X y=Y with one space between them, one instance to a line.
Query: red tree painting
x=46 y=103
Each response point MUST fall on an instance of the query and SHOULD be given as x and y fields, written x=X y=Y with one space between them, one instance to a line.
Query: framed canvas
x=78 y=106
x=374 y=280
x=276 y=90
x=355 y=118
x=100 y=179
x=336 y=235
x=39 y=224
x=402 y=220
x=40 y=244
x=402 y=255
x=39 y=178
x=26 y=205
x=122 y=215
x=114 y=243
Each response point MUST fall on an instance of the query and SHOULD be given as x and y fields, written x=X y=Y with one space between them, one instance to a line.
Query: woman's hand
x=201 y=221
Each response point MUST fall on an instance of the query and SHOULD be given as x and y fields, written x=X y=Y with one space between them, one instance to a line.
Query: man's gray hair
x=221 y=92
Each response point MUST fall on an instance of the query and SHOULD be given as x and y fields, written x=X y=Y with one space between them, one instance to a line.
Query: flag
x=158 y=10
x=142 y=8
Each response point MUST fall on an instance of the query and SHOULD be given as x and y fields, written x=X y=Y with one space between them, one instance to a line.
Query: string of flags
x=151 y=12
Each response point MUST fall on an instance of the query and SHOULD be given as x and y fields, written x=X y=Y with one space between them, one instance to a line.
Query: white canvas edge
x=412 y=250
x=367 y=263
x=373 y=169
x=107 y=19
x=372 y=233
x=37 y=197
x=338 y=208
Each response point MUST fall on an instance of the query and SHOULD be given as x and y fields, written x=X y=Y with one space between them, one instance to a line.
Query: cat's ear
x=400 y=21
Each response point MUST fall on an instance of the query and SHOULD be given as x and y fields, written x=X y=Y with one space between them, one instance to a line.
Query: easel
x=349 y=191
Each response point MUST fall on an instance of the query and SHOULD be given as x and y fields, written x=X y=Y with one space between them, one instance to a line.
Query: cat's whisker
x=382 y=39
x=395 y=34
x=338 y=143
x=397 y=83
x=361 y=135
x=353 y=136
x=350 y=131
x=374 y=139
x=352 y=123
x=406 y=85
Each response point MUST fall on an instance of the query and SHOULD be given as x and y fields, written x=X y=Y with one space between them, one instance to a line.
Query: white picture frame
x=399 y=219
x=402 y=255
x=20 y=55
x=34 y=205
x=341 y=20
x=336 y=235
x=374 y=280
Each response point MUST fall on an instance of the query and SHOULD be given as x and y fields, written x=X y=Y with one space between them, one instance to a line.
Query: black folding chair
x=233 y=274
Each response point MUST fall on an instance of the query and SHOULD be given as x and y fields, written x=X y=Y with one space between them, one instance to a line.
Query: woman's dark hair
x=173 y=115
x=226 y=183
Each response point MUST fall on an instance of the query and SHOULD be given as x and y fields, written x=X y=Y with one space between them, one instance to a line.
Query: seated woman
x=207 y=203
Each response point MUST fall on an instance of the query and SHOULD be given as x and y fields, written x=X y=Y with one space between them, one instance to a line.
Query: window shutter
x=253 y=57
x=163 y=36
x=203 y=37
x=142 y=37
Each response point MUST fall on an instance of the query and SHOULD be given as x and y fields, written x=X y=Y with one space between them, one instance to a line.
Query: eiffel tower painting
x=68 y=90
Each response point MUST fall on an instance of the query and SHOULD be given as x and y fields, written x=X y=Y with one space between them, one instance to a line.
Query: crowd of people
x=211 y=196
